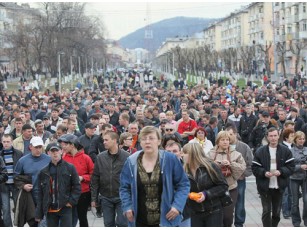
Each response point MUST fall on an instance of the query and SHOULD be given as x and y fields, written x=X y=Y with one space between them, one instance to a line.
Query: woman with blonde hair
x=232 y=165
x=299 y=179
x=207 y=180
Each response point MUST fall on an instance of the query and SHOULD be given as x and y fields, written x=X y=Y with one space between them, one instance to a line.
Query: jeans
x=185 y=223
x=228 y=211
x=295 y=210
x=286 y=202
x=6 y=191
x=112 y=212
x=207 y=220
x=240 y=213
x=271 y=203
x=63 y=218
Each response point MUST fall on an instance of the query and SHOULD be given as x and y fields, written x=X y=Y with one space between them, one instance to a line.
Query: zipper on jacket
x=202 y=207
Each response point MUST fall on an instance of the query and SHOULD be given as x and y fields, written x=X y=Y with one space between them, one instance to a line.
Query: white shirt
x=273 y=180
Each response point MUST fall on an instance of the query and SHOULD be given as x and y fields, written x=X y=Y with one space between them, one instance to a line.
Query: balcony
x=302 y=16
x=292 y=36
x=280 y=38
x=303 y=35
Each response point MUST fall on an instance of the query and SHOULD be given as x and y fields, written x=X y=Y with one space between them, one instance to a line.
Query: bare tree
x=266 y=49
x=282 y=50
x=296 y=48
x=246 y=54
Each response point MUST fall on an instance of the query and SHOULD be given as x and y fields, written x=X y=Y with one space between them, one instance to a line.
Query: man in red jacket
x=84 y=166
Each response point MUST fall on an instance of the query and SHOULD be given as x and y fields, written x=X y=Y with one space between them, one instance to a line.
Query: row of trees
x=40 y=35
x=246 y=59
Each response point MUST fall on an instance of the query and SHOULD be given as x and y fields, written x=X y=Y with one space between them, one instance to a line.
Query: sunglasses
x=169 y=129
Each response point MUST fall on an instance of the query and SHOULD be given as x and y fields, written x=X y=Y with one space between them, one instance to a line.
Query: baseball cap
x=36 y=141
x=90 y=125
x=265 y=114
x=53 y=146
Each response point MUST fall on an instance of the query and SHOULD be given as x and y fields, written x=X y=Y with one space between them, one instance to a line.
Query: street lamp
x=60 y=77
x=71 y=78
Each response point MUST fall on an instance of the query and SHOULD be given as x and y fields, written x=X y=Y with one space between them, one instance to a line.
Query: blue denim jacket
x=176 y=187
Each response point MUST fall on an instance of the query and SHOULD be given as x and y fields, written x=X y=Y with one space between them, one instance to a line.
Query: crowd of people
x=153 y=156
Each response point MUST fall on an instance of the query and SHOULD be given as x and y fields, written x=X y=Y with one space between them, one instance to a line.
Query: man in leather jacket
x=59 y=190
x=257 y=138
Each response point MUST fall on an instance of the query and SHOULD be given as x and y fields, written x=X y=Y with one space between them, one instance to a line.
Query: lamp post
x=71 y=81
x=79 y=67
x=60 y=77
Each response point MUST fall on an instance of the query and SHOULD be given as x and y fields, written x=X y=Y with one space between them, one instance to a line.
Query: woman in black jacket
x=207 y=181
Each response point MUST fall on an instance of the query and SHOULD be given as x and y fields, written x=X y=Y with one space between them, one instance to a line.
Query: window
x=304 y=25
x=304 y=7
x=289 y=29
x=261 y=35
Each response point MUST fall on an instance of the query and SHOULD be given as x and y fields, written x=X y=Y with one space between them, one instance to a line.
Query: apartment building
x=291 y=27
x=197 y=40
x=212 y=36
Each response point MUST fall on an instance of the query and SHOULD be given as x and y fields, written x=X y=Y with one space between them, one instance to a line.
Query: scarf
x=151 y=184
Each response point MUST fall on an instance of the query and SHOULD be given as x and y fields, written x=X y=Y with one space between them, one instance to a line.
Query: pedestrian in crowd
x=257 y=137
x=287 y=136
x=39 y=130
x=3 y=179
x=159 y=199
x=299 y=180
x=10 y=157
x=74 y=154
x=97 y=143
x=58 y=190
x=210 y=129
x=200 y=138
x=247 y=123
x=244 y=149
x=233 y=166
x=105 y=181
x=125 y=142
x=207 y=180
x=25 y=179
x=272 y=166
x=175 y=148
x=86 y=139
x=187 y=127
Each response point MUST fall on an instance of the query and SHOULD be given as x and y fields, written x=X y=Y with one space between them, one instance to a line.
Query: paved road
x=252 y=204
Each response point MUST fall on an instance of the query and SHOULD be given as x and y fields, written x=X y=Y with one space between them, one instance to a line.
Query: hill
x=178 y=26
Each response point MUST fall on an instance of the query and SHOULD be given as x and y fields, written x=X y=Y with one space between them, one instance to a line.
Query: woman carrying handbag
x=232 y=165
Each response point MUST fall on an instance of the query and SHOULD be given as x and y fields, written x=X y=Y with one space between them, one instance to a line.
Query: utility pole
x=71 y=78
x=60 y=78
x=274 y=42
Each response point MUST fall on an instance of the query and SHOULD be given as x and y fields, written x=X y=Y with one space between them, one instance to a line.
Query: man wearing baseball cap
x=31 y=165
x=57 y=192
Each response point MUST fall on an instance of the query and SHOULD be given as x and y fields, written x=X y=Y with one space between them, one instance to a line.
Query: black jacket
x=96 y=147
x=210 y=134
x=262 y=164
x=246 y=126
x=298 y=123
x=214 y=191
x=107 y=169
x=69 y=188
x=25 y=207
x=257 y=135
x=3 y=172
x=85 y=141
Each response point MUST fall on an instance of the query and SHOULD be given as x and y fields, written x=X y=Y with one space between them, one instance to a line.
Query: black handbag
x=226 y=199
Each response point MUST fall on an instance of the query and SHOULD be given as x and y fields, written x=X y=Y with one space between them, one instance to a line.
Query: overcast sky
x=121 y=18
